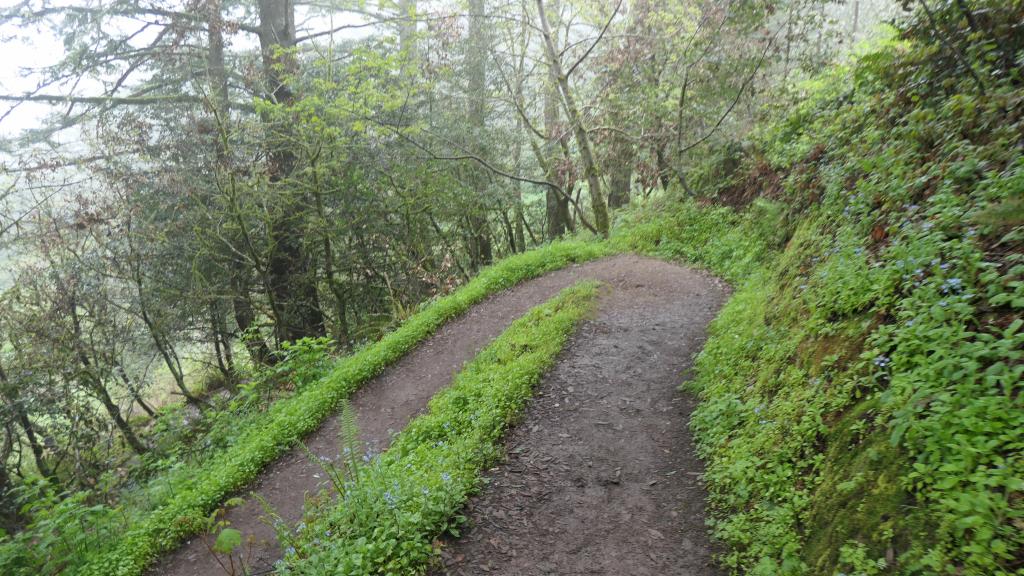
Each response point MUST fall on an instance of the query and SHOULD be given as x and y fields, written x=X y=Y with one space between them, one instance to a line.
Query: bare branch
x=596 y=40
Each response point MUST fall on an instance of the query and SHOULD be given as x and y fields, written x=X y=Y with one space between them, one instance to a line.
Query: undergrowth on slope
x=388 y=511
x=181 y=499
x=861 y=393
x=732 y=244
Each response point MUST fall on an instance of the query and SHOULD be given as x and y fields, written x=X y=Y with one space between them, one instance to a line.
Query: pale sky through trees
x=26 y=50
x=20 y=52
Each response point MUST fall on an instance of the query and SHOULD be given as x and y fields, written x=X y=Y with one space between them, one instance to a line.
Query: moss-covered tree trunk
x=291 y=268
x=590 y=170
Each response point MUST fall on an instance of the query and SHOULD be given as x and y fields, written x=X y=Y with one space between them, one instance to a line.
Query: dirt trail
x=601 y=475
x=623 y=365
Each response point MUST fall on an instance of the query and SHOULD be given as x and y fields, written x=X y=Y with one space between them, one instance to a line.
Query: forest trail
x=606 y=479
x=601 y=475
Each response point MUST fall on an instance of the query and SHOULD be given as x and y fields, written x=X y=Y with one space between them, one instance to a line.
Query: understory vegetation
x=861 y=392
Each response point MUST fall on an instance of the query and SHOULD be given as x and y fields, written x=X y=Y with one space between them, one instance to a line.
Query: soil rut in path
x=386 y=403
x=601 y=475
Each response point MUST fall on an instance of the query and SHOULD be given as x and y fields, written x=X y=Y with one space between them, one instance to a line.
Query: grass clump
x=388 y=511
x=188 y=496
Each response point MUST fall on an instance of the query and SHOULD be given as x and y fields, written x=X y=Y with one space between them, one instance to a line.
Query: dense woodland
x=221 y=197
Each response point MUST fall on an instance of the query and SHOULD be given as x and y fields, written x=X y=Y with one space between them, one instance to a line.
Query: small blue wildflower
x=389 y=498
x=881 y=361
x=290 y=551
x=446 y=476
x=910 y=322
x=952 y=285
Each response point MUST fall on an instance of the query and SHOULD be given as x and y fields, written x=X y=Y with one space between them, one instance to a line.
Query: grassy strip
x=289 y=420
x=390 y=510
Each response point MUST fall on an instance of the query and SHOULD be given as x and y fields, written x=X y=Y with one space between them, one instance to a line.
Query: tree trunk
x=215 y=65
x=407 y=33
x=590 y=171
x=556 y=205
x=341 y=332
x=160 y=340
x=245 y=317
x=477 y=51
x=26 y=426
x=222 y=343
x=95 y=384
x=290 y=267
x=621 y=177
x=115 y=414
x=663 y=167
x=134 y=391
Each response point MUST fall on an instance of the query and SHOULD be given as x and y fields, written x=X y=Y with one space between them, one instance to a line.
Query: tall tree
x=290 y=269
x=590 y=169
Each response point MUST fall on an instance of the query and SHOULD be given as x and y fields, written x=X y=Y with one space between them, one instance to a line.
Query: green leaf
x=227 y=541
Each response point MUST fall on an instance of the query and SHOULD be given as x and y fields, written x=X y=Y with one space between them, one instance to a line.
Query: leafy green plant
x=64 y=526
x=222 y=541
x=304 y=361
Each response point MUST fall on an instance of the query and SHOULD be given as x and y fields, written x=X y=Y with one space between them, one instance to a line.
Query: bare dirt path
x=635 y=351
x=601 y=475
